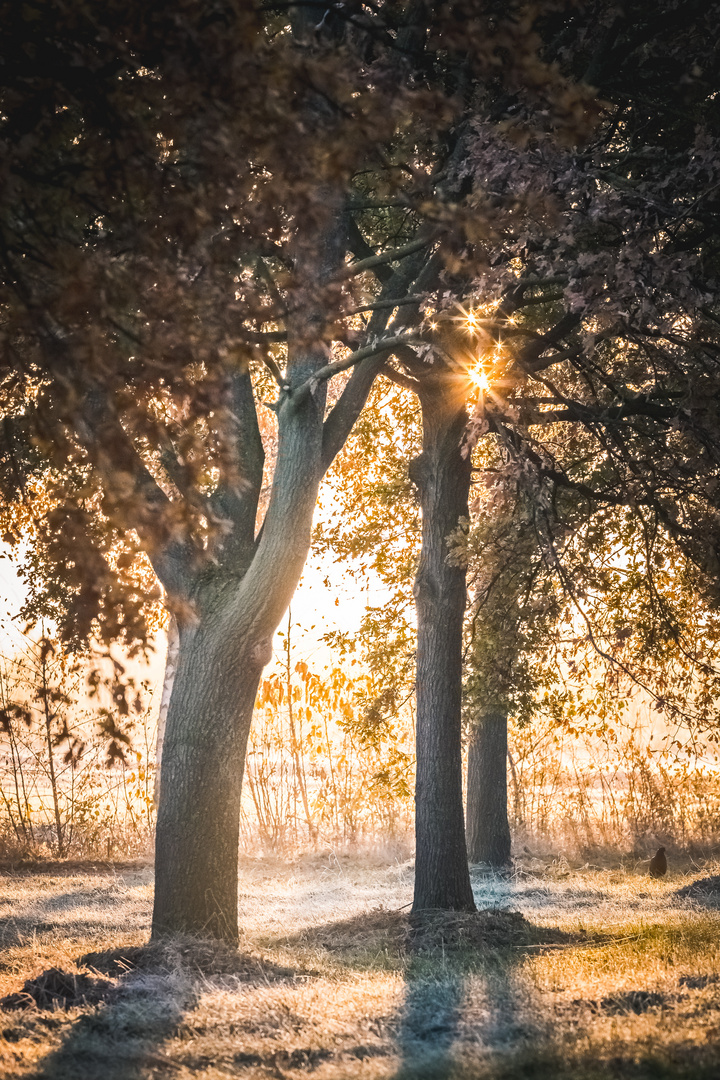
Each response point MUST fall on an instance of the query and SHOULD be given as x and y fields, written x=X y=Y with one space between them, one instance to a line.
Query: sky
x=316 y=609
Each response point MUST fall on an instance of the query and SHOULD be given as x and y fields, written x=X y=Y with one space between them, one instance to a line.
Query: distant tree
x=514 y=608
x=606 y=323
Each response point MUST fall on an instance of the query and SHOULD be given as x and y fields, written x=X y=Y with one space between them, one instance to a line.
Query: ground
x=599 y=973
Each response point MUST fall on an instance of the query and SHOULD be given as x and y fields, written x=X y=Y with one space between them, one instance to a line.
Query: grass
x=565 y=973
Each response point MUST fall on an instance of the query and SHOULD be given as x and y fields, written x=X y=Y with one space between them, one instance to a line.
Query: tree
x=195 y=201
x=513 y=610
x=608 y=323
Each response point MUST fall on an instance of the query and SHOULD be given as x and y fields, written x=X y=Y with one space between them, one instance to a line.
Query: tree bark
x=488 y=829
x=202 y=768
x=171 y=659
x=442 y=476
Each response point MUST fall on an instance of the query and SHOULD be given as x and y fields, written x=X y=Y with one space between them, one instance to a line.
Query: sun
x=480 y=377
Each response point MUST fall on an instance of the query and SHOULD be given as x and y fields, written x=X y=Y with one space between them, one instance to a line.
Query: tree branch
x=400 y=379
x=530 y=359
x=374 y=348
x=275 y=372
x=362 y=250
x=394 y=255
x=145 y=508
x=238 y=491
x=380 y=305
x=418 y=274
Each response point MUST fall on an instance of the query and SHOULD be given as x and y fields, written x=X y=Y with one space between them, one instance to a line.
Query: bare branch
x=373 y=348
x=399 y=379
x=387 y=257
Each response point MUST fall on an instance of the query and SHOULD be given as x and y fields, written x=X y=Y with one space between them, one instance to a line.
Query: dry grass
x=601 y=973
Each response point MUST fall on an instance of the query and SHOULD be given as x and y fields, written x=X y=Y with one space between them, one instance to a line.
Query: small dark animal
x=658 y=863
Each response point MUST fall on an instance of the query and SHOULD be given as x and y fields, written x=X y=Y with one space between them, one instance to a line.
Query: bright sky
x=316 y=610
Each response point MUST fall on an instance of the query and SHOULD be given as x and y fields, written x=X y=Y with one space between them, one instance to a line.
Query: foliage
x=167 y=172
x=322 y=767
x=606 y=323
x=371 y=523
x=57 y=794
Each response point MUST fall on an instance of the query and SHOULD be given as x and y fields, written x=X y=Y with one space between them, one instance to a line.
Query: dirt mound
x=492 y=928
x=57 y=989
x=369 y=930
x=191 y=955
x=636 y=1002
x=706 y=890
x=698 y=982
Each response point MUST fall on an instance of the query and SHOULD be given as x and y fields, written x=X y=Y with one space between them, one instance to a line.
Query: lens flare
x=479 y=377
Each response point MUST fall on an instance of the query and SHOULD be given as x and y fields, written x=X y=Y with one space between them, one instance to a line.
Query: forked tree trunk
x=488 y=829
x=442 y=475
x=220 y=662
x=238 y=606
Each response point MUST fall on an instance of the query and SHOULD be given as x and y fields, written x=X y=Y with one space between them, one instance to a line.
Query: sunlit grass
x=607 y=974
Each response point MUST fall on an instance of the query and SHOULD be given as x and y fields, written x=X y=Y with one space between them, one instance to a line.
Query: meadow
x=582 y=972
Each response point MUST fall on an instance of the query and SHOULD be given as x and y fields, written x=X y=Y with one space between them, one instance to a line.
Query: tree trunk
x=221 y=658
x=488 y=830
x=225 y=646
x=442 y=475
x=196 y=863
x=171 y=659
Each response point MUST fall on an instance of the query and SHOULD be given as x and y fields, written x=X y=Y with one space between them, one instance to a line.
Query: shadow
x=122 y=1037
x=45 y=913
x=705 y=892
x=429 y=1024
x=448 y=951
x=67 y=867
x=139 y=1004
x=439 y=954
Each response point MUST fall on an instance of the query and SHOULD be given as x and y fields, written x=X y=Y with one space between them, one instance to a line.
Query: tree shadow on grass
x=136 y=999
x=447 y=950
x=705 y=892
x=437 y=953
x=44 y=914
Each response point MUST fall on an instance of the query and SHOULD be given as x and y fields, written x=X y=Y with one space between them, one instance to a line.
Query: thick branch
x=577 y=411
x=275 y=371
x=400 y=379
x=418 y=274
x=531 y=357
x=236 y=496
x=396 y=254
x=362 y=250
x=380 y=346
x=145 y=508
x=380 y=305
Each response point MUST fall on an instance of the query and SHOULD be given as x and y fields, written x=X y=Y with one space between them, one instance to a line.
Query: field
x=580 y=973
